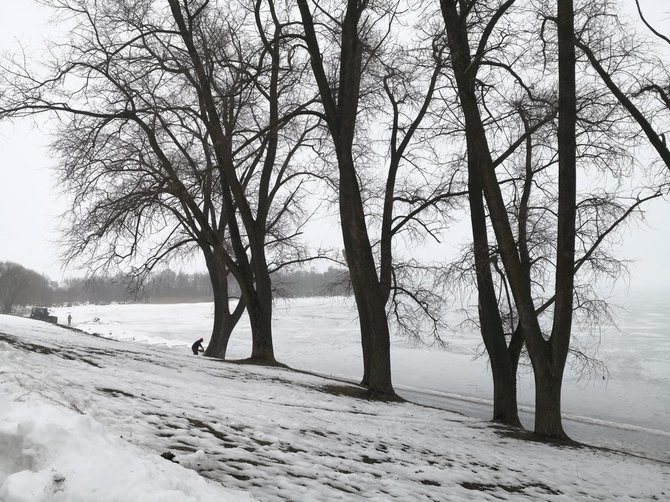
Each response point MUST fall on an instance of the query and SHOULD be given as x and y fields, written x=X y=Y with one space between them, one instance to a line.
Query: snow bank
x=85 y=418
x=50 y=453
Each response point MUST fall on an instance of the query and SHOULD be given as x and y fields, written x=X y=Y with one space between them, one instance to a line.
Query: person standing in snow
x=69 y=319
x=197 y=346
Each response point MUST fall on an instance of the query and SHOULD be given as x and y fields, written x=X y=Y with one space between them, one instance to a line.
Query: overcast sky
x=30 y=205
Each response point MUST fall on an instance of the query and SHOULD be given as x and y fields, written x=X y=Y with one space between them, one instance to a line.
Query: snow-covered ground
x=321 y=334
x=85 y=418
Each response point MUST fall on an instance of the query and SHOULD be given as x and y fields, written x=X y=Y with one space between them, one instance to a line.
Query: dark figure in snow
x=69 y=319
x=197 y=347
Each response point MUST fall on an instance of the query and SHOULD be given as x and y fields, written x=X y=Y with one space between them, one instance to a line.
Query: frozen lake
x=321 y=335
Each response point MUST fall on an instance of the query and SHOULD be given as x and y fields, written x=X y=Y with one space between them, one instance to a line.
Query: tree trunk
x=505 y=408
x=375 y=335
x=254 y=278
x=365 y=344
x=548 y=402
x=259 y=308
x=503 y=359
x=503 y=366
x=550 y=362
x=224 y=320
x=222 y=329
x=341 y=117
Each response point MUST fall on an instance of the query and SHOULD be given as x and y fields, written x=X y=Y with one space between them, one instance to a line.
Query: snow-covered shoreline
x=73 y=405
x=321 y=334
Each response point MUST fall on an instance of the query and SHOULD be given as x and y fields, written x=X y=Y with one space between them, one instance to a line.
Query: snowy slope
x=87 y=418
x=321 y=334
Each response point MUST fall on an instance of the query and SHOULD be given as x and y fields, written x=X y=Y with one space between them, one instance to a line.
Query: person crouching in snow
x=197 y=347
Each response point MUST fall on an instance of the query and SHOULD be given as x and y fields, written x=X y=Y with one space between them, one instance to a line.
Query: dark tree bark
x=224 y=320
x=503 y=361
x=549 y=356
x=340 y=115
x=252 y=271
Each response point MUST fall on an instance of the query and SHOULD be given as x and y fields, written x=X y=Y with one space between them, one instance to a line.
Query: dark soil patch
x=116 y=392
x=514 y=433
x=487 y=487
x=183 y=447
x=313 y=431
x=254 y=362
x=370 y=460
x=43 y=349
x=222 y=436
x=360 y=393
x=344 y=390
x=354 y=490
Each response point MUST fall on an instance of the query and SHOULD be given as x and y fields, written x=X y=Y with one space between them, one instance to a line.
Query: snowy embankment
x=84 y=418
x=625 y=408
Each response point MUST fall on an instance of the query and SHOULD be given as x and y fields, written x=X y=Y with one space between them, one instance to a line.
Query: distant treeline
x=20 y=287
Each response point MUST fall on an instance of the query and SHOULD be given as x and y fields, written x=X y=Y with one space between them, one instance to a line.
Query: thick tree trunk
x=503 y=360
x=224 y=320
x=253 y=277
x=365 y=344
x=368 y=293
x=503 y=366
x=222 y=329
x=341 y=117
x=549 y=363
x=505 y=408
x=259 y=308
x=548 y=421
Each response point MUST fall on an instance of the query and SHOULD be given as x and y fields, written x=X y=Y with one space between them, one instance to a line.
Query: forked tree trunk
x=253 y=278
x=224 y=320
x=549 y=356
x=224 y=324
x=341 y=118
x=503 y=362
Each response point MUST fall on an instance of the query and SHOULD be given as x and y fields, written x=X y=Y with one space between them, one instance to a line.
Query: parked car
x=43 y=314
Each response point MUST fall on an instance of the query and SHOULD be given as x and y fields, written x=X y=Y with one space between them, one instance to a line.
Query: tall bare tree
x=174 y=139
x=533 y=231
x=340 y=107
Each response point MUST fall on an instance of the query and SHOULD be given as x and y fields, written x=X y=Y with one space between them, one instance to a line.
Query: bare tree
x=340 y=107
x=635 y=75
x=174 y=141
x=546 y=236
x=368 y=78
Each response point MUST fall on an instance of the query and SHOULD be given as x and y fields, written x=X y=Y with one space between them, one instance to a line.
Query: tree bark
x=260 y=319
x=253 y=277
x=548 y=382
x=224 y=320
x=549 y=362
x=503 y=367
x=341 y=119
x=368 y=293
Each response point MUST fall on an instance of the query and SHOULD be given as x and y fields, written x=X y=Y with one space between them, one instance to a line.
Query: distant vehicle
x=42 y=314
